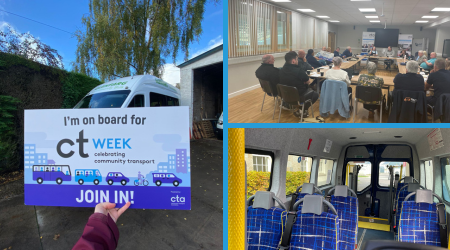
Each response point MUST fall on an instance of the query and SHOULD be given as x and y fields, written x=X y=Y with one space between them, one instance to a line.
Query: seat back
x=267 y=87
x=307 y=188
x=347 y=210
x=265 y=222
x=313 y=227
x=419 y=222
x=288 y=94
x=368 y=94
x=404 y=191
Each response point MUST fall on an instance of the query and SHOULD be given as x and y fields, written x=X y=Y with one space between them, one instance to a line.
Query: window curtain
x=321 y=34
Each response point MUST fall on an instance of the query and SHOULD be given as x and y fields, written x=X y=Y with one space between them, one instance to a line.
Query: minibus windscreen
x=112 y=99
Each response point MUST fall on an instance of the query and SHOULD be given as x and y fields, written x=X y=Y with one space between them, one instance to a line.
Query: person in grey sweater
x=420 y=57
x=388 y=53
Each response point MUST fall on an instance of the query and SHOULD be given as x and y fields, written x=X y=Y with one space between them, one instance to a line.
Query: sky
x=66 y=15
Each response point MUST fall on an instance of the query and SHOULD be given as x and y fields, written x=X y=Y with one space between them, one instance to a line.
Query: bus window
x=383 y=171
x=364 y=174
x=259 y=168
x=428 y=170
x=325 y=172
x=171 y=101
x=298 y=172
x=137 y=102
x=445 y=167
x=157 y=100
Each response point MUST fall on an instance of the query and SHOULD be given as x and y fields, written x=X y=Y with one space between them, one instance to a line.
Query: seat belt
x=442 y=224
x=286 y=238
x=293 y=198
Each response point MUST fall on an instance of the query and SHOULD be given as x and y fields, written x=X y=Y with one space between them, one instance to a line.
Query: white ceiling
x=342 y=135
x=396 y=12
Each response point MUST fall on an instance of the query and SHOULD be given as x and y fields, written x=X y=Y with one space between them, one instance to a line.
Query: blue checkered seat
x=307 y=189
x=407 y=189
x=420 y=219
x=399 y=184
x=315 y=228
x=265 y=222
x=347 y=211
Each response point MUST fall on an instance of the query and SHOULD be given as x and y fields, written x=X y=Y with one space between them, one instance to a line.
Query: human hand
x=110 y=208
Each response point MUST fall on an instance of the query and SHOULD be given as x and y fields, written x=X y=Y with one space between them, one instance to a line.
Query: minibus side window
x=171 y=101
x=325 y=172
x=298 y=172
x=138 y=101
x=159 y=100
x=445 y=167
x=259 y=170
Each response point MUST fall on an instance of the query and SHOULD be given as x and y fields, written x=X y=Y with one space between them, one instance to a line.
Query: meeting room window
x=298 y=172
x=257 y=28
x=399 y=167
x=259 y=168
x=325 y=172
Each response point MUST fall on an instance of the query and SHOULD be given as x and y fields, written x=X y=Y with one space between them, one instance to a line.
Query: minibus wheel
x=176 y=183
x=123 y=182
x=96 y=182
x=110 y=182
x=58 y=181
x=39 y=180
x=158 y=183
x=80 y=181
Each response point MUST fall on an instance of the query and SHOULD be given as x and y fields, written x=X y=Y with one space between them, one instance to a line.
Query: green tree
x=8 y=147
x=124 y=37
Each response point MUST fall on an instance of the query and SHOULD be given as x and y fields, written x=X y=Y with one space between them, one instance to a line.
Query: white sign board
x=327 y=146
x=435 y=139
x=405 y=39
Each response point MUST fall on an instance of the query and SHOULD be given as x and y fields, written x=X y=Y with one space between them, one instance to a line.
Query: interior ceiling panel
x=342 y=135
x=347 y=12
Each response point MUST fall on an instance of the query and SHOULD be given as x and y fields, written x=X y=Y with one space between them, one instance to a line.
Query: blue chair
x=347 y=211
x=265 y=222
x=403 y=189
x=313 y=227
x=422 y=221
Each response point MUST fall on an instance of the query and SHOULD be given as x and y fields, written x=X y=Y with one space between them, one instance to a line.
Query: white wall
x=347 y=36
x=442 y=33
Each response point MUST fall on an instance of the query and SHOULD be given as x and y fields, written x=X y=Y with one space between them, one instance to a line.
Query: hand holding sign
x=110 y=208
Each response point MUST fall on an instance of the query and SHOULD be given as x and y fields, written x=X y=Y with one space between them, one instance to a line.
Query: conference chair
x=368 y=94
x=441 y=109
x=408 y=107
x=289 y=95
x=270 y=91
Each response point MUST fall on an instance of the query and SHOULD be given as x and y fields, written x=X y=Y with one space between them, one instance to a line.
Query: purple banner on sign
x=178 y=198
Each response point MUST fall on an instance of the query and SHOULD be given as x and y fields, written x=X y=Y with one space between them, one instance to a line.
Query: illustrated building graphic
x=33 y=158
x=178 y=163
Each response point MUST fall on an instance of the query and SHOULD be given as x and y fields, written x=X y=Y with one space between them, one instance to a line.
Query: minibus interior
x=347 y=188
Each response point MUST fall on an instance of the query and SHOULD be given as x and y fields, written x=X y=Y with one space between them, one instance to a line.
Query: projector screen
x=385 y=37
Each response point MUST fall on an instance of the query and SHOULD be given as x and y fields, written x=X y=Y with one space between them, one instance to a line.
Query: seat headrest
x=424 y=196
x=307 y=188
x=264 y=199
x=408 y=179
x=412 y=187
x=341 y=190
x=312 y=204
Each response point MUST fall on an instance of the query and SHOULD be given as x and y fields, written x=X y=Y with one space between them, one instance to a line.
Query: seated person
x=318 y=54
x=268 y=72
x=329 y=50
x=447 y=64
x=373 y=51
x=372 y=81
x=302 y=61
x=420 y=57
x=388 y=53
x=292 y=75
x=428 y=65
x=312 y=60
x=336 y=73
x=336 y=52
x=404 y=53
x=411 y=80
x=347 y=52
x=439 y=81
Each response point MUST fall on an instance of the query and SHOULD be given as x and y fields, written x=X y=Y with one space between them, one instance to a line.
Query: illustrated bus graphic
x=88 y=175
x=58 y=173
x=160 y=178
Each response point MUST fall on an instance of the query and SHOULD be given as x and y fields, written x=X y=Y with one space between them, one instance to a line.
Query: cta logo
x=178 y=199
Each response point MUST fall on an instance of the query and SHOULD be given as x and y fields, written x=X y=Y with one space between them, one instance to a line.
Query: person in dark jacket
x=101 y=231
x=411 y=80
x=336 y=52
x=347 y=52
x=268 y=72
x=293 y=75
x=439 y=81
x=302 y=62
x=312 y=60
